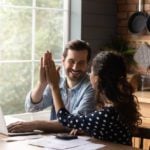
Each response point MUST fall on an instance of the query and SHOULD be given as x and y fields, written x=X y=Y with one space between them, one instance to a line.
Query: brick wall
x=125 y=8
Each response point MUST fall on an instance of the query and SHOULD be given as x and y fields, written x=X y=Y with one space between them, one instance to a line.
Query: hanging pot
x=137 y=21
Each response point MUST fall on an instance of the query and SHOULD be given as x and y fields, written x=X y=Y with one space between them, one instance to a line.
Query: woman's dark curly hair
x=111 y=69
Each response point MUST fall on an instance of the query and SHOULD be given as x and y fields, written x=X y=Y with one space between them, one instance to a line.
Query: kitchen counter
x=143 y=96
x=144 y=101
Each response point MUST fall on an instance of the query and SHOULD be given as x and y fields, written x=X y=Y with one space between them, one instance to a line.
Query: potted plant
x=122 y=46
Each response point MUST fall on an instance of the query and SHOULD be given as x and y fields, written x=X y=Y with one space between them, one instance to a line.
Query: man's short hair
x=77 y=45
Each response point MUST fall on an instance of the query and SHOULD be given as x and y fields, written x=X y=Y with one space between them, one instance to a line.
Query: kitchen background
x=102 y=20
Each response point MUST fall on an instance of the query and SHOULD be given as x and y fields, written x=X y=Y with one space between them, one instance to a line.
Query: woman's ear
x=96 y=79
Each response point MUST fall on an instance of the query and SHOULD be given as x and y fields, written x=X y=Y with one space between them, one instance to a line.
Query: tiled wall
x=125 y=8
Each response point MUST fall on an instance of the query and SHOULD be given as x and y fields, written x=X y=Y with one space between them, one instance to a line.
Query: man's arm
x=52 y=126
x=40 y=97
x=35 y=96
x=37 y=93
x=46 y=101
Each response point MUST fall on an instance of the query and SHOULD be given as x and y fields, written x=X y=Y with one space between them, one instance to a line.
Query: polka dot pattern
x=103 y=124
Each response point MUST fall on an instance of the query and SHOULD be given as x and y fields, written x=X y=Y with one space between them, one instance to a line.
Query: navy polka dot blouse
x=103 y=124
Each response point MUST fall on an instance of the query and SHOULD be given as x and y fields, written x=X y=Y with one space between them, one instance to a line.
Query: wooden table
x=23 y=145
x=143 y=97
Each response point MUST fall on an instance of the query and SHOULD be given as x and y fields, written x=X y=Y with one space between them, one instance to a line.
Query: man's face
x=75 y=64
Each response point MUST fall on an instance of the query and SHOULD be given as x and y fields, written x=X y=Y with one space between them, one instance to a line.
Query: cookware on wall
x=142 y=58
x=137 y=21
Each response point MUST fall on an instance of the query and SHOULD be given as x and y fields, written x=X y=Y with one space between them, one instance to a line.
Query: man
x=75 y=88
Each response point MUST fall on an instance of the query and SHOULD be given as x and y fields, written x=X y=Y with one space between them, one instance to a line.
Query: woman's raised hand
x=51 y=72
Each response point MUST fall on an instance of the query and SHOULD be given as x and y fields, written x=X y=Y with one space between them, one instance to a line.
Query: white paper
x=89 y=146
x=21 y=138
x=59 y=144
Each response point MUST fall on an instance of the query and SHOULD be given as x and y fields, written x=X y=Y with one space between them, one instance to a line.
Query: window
x=28 y=29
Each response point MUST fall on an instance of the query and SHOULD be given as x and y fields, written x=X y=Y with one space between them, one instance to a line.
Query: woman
x=117 y=114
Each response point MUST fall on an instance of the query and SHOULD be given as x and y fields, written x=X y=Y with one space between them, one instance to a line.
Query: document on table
x=21 y=138
x=59 y=144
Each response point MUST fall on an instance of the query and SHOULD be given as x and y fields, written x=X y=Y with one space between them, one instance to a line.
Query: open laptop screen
x=3 y=126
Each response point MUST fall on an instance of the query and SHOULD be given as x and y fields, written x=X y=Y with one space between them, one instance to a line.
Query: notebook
x=4 y=130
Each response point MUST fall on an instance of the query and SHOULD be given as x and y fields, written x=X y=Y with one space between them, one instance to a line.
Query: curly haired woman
x=117 y=114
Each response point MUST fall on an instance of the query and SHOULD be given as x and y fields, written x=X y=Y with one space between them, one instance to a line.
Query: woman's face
x=93 y=79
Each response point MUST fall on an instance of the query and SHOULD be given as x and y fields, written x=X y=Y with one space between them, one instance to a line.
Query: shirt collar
x=64 y=86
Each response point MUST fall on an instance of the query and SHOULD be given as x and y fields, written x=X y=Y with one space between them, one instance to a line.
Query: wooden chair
x=142 y=133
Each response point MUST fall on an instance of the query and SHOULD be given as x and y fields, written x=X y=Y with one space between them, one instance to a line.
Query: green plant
x=122 y=46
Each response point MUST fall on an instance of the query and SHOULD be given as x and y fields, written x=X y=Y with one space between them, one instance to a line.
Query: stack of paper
x=52 y=142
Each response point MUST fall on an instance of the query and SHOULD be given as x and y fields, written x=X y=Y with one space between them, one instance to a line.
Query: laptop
x=4 y=130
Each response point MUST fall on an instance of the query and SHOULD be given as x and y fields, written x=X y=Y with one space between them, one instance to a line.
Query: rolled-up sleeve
x=44 y=103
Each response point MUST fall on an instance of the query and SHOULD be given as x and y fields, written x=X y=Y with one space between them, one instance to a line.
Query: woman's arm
x=58 y=103
x=52 y=77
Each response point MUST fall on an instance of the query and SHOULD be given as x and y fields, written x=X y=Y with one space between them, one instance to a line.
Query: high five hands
x=48 y=72
x=52 y=78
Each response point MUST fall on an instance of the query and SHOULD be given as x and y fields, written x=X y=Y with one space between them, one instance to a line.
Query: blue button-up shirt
x=77 y=100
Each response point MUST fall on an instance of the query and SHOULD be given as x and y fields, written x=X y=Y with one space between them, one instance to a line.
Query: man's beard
x=75 y=76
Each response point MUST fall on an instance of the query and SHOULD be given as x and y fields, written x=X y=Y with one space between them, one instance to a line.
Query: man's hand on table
x=46 y=126
x=21 y=127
